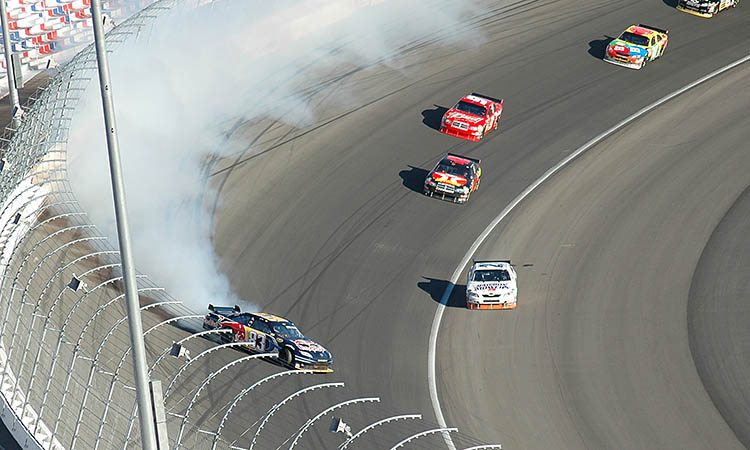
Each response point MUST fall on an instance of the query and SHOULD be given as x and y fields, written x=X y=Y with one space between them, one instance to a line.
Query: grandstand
x=46 y=33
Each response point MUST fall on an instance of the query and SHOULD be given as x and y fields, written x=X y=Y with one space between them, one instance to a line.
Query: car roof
x=484 y=265
x=635 y=29
x=476 y=100
x=457 y=160
x=267 y=317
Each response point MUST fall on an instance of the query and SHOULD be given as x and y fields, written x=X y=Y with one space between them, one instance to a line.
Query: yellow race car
x=636 y=46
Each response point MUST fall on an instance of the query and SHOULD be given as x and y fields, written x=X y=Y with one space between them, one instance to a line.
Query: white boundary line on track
x=432 y=349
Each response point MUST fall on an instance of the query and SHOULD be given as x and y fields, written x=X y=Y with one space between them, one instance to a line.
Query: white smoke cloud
x=199 y=68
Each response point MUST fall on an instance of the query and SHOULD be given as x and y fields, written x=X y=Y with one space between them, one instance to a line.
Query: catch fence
x=65 y=365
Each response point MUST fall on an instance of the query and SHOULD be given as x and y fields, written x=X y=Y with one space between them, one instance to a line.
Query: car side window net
x=243 y=319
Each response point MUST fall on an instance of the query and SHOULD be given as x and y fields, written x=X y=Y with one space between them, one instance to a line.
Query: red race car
x=472 y=117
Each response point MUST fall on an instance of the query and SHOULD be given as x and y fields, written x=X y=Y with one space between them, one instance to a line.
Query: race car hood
x=490 y=287
x=454 y=114
x=453 y=180
x=622 y=48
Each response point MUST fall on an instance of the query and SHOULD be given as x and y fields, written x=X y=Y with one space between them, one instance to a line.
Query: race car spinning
x=265 y=332
x=636 y=46
x=472 y=117
x=491 y=285
x=705 y=8
x=455 y=177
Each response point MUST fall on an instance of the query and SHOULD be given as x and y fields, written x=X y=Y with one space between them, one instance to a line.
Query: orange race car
x=455 y=177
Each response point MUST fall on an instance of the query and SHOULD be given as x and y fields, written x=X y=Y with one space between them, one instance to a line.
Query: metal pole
x=143 y=394
x=424 y=433
x=15 y=105
x=274 y=408
x=309 y=422
x=379 y=422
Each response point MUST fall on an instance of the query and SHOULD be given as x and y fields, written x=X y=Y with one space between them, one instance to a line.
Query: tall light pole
x=15 y=105
x=143 y=394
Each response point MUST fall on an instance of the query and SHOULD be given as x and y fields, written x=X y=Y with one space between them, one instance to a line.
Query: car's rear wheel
x=286 y=356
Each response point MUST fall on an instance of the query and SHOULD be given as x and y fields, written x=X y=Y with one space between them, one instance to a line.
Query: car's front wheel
x=286 y=356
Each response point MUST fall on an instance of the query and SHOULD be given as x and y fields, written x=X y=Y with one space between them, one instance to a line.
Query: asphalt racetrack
x=598 y=356
x=614 y=343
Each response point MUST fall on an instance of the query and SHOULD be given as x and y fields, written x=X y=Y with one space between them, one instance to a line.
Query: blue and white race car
x=264 y=333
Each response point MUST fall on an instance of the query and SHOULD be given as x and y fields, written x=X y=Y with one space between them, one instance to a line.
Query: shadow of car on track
x=670 y=3
x=413 y=178
x=432 y=117
x=597 y=47
x=436 y=288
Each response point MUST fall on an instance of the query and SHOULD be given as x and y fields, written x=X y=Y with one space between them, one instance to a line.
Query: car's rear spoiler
x=224 y=310
x=478 y=161
x=660 y=30
x=486 y=261
x=496 y=100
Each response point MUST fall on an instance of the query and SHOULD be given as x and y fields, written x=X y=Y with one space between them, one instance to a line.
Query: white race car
x=491 y=285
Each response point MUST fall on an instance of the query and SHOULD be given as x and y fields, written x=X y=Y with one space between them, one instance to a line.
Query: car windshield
x=491 y=275
x=471 y=108
x=287 y=330
x=633 y=38
x=453 y=170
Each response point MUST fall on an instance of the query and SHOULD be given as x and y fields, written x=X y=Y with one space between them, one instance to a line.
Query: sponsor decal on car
x=491 y=286
x=454 y=180
x=309 y=346
x=455 y=115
